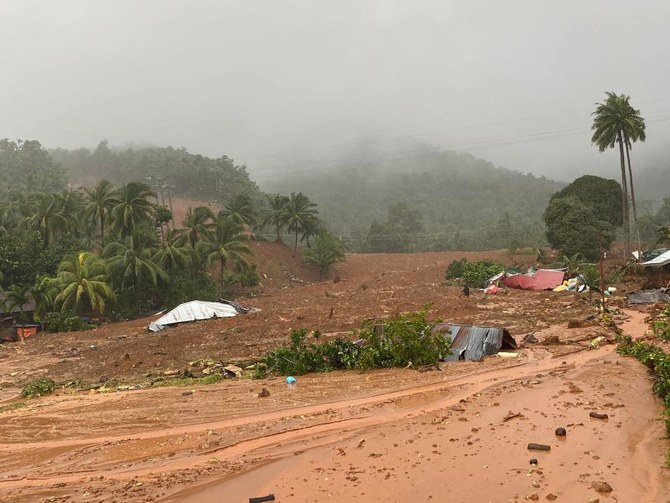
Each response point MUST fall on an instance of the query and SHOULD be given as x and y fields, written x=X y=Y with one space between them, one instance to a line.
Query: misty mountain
x=462 y=201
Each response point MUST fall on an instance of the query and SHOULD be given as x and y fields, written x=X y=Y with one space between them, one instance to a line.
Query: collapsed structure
x=470 y=342
x=542 y=279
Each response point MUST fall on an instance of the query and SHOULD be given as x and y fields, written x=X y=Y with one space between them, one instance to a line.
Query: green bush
x=455 y=269
x=302 y=356
x=39 y=387
x=65 y=321
x=185 y=286
x=474 y=273
x=407 y=340
x=404 y=341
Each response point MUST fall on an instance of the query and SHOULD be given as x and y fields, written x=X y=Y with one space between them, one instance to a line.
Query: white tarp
x=192 y=311
x=659 y=261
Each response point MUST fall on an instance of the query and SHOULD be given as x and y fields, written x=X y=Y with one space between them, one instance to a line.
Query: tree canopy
x=582 y=214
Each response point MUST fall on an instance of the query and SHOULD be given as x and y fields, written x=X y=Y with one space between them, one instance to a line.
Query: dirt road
x=395 y=435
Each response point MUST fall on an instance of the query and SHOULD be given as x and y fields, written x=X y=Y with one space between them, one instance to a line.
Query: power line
x=439 y=150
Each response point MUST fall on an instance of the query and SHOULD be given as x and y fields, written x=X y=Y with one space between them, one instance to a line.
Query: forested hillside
x=455 y=201
x=190 y=175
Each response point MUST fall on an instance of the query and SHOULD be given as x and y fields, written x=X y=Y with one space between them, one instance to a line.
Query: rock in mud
x=264 y=393
x=551 y=497
x=598 y=415
x=560 y=432
x=602 y=487
x=233 y=371
x=538 y=447
x=533 y=462
x=551 y=340
x=578 y=324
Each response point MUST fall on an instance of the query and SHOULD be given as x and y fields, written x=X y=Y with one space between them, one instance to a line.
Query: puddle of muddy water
x=237 y=488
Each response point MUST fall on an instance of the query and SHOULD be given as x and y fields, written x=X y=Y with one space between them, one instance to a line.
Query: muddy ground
x=459 y=434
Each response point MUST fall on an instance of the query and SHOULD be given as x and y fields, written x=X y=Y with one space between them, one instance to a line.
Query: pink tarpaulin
x=543 y=279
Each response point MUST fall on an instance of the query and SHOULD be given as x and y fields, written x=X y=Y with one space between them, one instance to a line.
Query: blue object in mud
x=290 y=380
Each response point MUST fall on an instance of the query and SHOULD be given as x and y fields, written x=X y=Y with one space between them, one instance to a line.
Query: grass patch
x=12 y=406
x=39 y=387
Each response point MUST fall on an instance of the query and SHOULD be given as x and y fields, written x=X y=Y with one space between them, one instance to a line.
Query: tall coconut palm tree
x=131 y=264
x=9 y=219
x=297 y=213
x=72 y=209
x=45 y=215
x=171 y=254
x=82 y=284
x=198 y=224
x=240 y=210
x=132 y=207
x=224 y=246
x=634 y=130
x=101 y=198
x=617 y=122
x=274 y=214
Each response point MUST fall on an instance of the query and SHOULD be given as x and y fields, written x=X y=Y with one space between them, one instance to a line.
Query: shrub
x=475 y=273
x=455 y=269
x=65 y=321
x=302 y=357
x=407 y=340
x=185 y=286
x=39 y=387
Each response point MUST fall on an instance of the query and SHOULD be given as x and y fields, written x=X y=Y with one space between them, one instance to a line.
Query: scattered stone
x=538 y=447
x=598 y=415
x=578 y=324
x=533 y=497
x=560 y=432
x=551 y=497
x=551 y=340
x=233 y=371
x=602 y=487
x=264 y=393
x=533 y=462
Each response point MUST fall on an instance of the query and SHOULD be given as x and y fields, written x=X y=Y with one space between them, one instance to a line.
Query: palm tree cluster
x=122 y=251
x=295 y=214
x=616 y=122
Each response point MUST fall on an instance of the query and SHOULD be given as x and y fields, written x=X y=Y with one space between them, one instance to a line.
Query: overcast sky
x=274 y=82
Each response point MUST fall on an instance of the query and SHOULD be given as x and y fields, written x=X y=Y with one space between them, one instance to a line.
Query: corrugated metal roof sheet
x=659 y=261
x=470 y=342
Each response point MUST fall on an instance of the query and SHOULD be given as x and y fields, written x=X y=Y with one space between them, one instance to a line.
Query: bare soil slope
x=390 y=435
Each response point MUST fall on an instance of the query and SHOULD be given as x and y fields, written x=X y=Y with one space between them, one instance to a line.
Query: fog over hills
x=299 y=82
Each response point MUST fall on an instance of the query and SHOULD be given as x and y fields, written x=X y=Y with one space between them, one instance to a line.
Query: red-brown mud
x=459 y=434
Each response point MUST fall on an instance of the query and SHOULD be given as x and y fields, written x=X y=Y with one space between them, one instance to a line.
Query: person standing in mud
x=466 y=290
